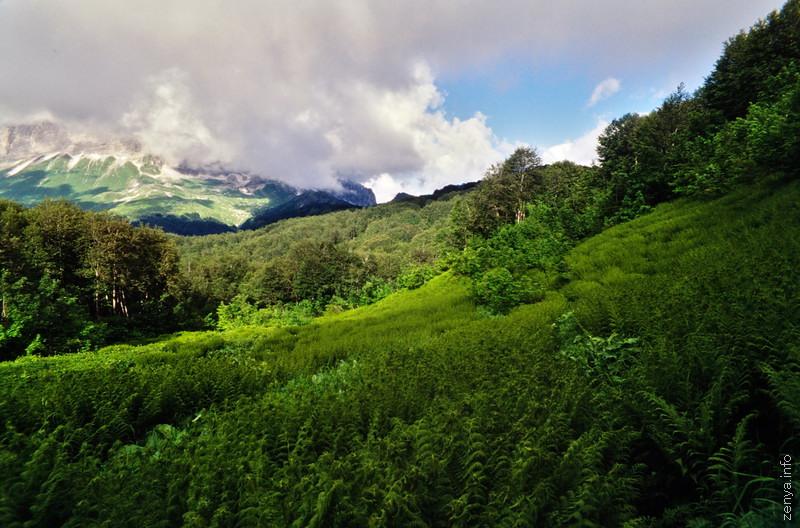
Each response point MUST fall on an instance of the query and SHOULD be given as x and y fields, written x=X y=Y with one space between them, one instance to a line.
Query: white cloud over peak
x=165 y=118
x=385 y=187
x=299 y=91
x=604 y=90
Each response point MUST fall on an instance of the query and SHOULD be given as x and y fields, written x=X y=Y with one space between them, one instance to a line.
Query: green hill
x=385 y=244
x=656 y=385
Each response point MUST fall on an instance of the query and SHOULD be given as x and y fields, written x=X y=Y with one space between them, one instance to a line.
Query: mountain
x=307 y=203
x=355 y=194
x=46 y=160
x=435 y=195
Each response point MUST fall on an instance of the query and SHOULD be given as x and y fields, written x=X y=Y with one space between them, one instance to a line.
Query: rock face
x=356 y=194
x=46 y=160
x=31 y=140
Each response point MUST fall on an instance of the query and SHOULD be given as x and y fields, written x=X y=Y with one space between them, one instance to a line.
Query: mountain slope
x=133 y=187
x=653 y=387
x=47 y=161
x=399 y=241
x=308 y=203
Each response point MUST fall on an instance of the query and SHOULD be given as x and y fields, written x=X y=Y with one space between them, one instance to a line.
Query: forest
x=558 y=345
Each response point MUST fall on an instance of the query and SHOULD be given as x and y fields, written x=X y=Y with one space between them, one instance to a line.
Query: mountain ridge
x=46 y=160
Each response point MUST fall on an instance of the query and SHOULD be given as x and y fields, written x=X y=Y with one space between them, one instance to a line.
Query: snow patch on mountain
x=19 y=167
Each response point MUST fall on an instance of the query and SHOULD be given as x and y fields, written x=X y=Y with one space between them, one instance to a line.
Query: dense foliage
x=73 y=280
x=305 y=265
x=655 y=387
x=70 y=280
x=742 y=126
x=510 y=234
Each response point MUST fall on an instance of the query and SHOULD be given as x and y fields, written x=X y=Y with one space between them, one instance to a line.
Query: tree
x=12 y=227
x=501 y=196
x=572 y=192
x=749 y=59
x=661 y=145
x=519 y=178
x=269 y=284
x=618 y=153
x=42 y=318
x=130 y=266
x=55 y=240
x=642 y=157
x=106 y=258
x=322 y=269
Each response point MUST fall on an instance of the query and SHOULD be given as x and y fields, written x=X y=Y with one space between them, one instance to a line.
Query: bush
x=499 y=291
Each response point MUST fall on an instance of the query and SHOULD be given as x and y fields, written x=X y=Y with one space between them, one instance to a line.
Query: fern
x=784 y=388
x=468 y=506
x=737 y=491
x=604 y=359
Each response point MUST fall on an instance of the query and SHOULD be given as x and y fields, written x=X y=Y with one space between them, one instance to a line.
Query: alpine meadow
x=559 y=344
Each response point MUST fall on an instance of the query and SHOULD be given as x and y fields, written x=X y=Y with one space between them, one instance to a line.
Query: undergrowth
x=656 y=387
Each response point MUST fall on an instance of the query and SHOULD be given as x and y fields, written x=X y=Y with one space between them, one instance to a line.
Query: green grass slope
x=657 y=386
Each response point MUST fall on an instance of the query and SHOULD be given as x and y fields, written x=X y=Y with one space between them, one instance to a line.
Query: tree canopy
x=71 y=279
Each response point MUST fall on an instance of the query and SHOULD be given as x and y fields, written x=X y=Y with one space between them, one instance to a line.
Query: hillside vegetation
x=346 y=258
x=508 y=235
x=656 y=386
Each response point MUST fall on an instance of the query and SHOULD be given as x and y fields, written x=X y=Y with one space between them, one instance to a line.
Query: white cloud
x=307 y=91
x=166 y=122
x=385 y=187
x=306 y=96
x=604 y=90
x=441 y=151
x=9 y=116
x=582 y=150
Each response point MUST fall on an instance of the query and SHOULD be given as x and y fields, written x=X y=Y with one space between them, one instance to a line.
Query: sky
x=403 y=96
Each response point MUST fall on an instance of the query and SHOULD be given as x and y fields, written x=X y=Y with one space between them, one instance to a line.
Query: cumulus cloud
x=604 y=90
x=308 y=91
x=165 y=119
x=582 y=150
x=385 y=187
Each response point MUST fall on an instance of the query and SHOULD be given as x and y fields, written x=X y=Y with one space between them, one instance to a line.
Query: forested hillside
x=615 y=345
x=343 y=259
x=73 y=280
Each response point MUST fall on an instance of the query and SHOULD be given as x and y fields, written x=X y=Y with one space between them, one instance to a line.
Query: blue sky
x=404 y=96
x=546 y=102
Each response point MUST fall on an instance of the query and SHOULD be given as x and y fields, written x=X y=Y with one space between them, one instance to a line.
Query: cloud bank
x=308 y=91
